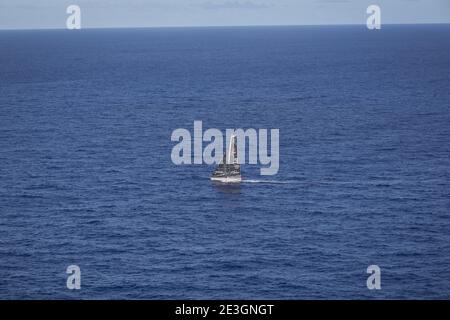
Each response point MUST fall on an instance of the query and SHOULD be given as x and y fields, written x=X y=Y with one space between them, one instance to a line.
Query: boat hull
x=234 y=179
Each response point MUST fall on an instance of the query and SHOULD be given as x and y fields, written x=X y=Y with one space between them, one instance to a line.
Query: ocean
x=86 y=176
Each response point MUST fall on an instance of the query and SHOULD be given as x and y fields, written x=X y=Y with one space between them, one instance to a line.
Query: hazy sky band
x=33 y=14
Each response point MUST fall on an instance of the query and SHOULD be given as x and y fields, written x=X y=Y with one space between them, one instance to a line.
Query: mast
x=236 y=160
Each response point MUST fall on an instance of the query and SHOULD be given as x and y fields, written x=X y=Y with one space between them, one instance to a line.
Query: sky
x=37 y=14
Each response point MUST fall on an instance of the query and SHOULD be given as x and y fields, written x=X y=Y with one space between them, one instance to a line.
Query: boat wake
x=268 y=181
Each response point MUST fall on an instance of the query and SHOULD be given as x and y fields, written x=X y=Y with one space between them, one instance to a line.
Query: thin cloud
x=333 y=1
x=232 y=4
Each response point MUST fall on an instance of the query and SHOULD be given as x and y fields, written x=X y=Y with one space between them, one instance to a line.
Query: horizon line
x=225 y=26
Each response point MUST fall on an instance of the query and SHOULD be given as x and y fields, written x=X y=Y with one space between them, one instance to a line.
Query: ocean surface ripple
x=86 y=176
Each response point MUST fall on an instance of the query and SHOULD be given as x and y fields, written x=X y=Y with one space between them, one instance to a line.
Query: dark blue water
x=86 y=176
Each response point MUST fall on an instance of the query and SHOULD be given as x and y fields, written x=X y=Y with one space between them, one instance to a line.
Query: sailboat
x=229 y=171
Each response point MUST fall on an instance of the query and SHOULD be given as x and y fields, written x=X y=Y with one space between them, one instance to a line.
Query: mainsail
x=229 y=170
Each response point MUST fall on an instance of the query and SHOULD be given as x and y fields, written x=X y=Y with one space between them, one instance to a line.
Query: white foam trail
x=267 y=181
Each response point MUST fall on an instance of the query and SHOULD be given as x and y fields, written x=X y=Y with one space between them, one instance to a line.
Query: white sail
x=229 y=170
